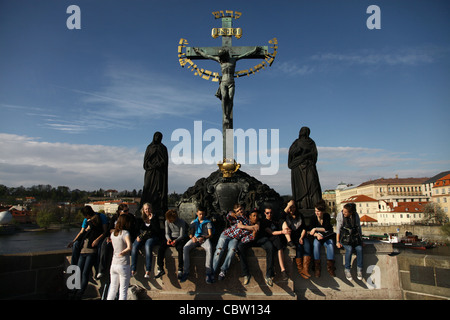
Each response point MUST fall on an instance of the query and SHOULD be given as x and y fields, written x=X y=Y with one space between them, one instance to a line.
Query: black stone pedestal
x=218 y=195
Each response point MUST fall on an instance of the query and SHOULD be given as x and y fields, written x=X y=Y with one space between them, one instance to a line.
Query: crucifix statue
x=226 y=86
x=227 y=56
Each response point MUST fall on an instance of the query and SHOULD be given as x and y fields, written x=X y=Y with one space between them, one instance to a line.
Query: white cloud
x=322 y=61
x=29 y=161
x=392 y=59
x=293 y=68
x=130 y=94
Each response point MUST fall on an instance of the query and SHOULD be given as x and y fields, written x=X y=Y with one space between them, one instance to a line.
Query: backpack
x=350 y=232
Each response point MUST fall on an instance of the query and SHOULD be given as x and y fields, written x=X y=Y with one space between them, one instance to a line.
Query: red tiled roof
x=412 y=207
x=366 y=218
x=442 y=182
x=360 y=198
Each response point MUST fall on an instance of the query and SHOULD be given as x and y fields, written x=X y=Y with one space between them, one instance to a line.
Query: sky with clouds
x=79 y=107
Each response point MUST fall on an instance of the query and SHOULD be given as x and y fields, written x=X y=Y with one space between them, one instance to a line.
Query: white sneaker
x=348 y=275
x=359 y=274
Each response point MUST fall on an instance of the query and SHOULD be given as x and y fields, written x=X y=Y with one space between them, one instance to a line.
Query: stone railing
x=387 y=275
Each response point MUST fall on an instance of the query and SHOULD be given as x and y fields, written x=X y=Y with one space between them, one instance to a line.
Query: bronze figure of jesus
x=226 y=87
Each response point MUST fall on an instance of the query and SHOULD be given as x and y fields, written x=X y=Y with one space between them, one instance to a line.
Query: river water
x=34 y=241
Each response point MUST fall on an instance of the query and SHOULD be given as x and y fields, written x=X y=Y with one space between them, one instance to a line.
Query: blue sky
x=79 y=107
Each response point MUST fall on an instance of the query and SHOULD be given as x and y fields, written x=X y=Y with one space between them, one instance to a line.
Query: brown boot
x=317 y=268
x=305 y=272
x=331 y=268
x=299 y=263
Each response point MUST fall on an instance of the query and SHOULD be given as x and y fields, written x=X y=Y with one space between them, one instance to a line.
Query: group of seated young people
x=243 y=231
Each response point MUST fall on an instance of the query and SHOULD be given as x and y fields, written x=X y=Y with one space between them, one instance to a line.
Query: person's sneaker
x=179 y=274
x=184 y=277
x=284 y=275
x=359 y=275
x=269 y=281
x=160 y=273
x=99 y=276
x=246 y=280
x=221 y=275
x=147 y=275
x=348 y=275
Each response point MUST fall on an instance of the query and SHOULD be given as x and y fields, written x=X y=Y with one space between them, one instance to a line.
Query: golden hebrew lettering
x=199 y=72
x=215 y=77
x=207 y=75
x=270 y=61
x=218 y=14
x=229 y=13
x=241 y=73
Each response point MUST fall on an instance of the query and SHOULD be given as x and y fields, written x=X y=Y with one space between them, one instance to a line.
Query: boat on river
x=409 y=241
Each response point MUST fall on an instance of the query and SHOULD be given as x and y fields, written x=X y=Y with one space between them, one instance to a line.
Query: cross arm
x=236 y=52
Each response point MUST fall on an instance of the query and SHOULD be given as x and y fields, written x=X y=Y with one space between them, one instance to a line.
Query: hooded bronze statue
x=156 y=162
x=302 y=161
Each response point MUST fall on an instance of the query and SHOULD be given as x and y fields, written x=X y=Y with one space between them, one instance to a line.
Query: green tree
x=433 y=213
x=45 y=217
x=446 y=229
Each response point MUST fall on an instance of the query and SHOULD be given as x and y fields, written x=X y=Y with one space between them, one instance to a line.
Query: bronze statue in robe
x=302 y=161
x=156 y=163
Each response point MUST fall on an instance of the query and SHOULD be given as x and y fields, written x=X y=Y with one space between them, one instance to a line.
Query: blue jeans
x=329 y=244
x=149 y=243
x=223 y=243
x=76 y=251
x=303 y=249
x=86 y=261
x=348 y=256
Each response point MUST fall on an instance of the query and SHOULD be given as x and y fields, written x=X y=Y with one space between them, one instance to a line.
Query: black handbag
x=327 y=235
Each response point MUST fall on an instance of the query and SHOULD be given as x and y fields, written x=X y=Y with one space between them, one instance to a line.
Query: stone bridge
x=388 y=275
